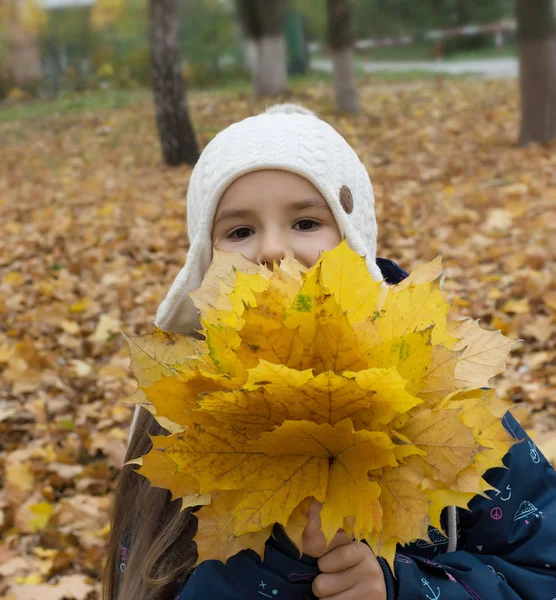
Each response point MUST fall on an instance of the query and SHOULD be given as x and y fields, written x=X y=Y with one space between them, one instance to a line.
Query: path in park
x=500 y=68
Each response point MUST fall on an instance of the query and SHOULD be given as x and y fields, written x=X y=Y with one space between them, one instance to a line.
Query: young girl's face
x=268 y=214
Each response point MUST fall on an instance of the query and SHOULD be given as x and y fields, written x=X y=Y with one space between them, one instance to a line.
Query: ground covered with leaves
x=93 y=233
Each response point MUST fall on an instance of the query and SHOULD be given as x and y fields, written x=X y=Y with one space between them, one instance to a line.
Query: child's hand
x=348 y=571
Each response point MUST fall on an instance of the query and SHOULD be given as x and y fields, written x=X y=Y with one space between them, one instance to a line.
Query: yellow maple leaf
x=324 y=384
x=348 y=280
x=297 y=522
x=175 y=398
x=215 y=534
x=163 y=474
x=483 y=355
x=161 y=354
x=265 y=336
x=220 y=282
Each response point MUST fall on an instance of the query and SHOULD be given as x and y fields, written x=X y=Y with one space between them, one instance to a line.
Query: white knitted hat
x=285 y=137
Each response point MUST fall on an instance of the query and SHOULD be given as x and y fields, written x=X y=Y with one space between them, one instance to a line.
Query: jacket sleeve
x=283 y=575
x=506 y=542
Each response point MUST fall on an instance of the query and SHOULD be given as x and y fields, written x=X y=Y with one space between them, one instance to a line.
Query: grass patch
x=315 y=77
x=412 y=52
x=70 y=102
x=409 y=76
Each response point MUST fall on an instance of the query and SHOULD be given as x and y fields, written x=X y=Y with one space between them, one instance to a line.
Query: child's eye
x=306 y=225
x=240 y=233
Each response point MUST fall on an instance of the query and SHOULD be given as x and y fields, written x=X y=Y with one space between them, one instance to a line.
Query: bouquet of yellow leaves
x=325 y=384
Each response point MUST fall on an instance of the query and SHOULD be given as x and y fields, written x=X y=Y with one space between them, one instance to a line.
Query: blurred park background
x=104 y=107
x=51 y=46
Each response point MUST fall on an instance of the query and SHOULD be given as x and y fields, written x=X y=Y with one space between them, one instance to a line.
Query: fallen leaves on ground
x=92 y=224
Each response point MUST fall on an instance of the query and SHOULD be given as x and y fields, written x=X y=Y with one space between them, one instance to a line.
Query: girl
x=285 y=181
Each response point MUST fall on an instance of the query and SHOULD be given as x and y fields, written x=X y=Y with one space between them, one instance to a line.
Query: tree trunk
x=339 y=40
x=537 y=54
x=261 y=23
x=271 y=75
x=347 y=96
x=251 y=50
x=179 y=144
x=24 y=60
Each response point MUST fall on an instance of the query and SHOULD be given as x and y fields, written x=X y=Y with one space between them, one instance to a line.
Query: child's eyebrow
x=239 y=213
x=232 y=213
x=310 y=203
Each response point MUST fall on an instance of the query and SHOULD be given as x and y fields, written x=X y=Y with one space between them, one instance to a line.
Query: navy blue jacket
x=506 y=544
x=506 y=548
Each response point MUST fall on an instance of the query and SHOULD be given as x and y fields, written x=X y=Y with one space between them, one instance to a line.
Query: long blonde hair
x=158 y=536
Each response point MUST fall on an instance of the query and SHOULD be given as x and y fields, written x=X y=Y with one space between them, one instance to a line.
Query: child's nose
x=271 y=251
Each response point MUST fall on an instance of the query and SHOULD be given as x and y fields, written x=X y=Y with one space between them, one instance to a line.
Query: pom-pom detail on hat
x=289 y=109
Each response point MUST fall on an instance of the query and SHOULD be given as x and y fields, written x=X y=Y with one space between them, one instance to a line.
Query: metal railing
x=435 y=35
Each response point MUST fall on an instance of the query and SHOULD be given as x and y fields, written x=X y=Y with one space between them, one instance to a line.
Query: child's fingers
x=340 y=539
x=313 y=540
x=313 y=518
x=343 y=557
x=330 y=584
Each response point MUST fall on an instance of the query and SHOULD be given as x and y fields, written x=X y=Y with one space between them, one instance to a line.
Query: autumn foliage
x=321 y=384
x=93 y=233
